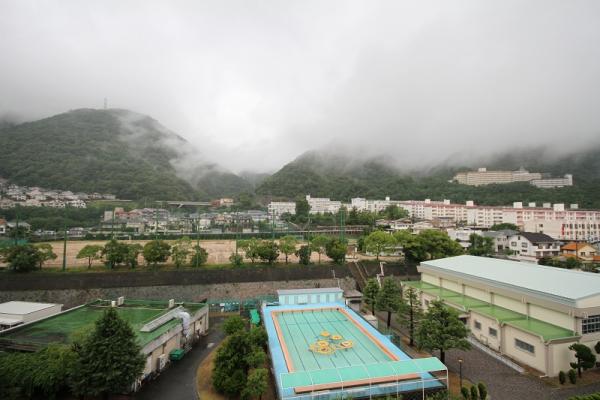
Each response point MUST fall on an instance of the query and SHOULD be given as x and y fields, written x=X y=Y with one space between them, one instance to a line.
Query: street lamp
x=460 y=362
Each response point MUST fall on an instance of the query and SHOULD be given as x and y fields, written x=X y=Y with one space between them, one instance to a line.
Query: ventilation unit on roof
x=113 y=303
x=171 y=303
x=121 y=301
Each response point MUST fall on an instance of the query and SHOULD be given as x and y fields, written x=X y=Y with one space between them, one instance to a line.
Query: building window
x=477 y=325
x=525 y=346
x=591 y=324
x=524 y=245
x=493 y=332
x=513 y=244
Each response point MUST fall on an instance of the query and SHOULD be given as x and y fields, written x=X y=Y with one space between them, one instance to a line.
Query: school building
x=527 y=312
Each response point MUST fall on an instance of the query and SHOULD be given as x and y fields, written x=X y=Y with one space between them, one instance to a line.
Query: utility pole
x=17 y=231
x=342 y=224
x=197 y=244
x=64 y=263
x=273 y=225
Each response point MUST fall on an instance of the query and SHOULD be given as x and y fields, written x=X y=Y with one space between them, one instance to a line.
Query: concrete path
x=179 y=380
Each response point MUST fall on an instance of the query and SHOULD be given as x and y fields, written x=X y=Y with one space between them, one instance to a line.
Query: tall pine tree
x=410 y=312
x=442 y=330
x=110 y=359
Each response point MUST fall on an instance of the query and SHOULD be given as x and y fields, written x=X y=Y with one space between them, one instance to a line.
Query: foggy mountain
x=342 y=176
x=111 y=151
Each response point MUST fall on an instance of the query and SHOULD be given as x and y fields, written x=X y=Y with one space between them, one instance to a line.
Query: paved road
x=504 y=383
x=179 y=380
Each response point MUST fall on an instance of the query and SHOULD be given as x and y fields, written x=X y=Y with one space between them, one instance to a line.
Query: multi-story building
x=484 y=177
x=278 y=208
x=531 y=246
x=549 y=183
x=321 y=205
x=527 y=312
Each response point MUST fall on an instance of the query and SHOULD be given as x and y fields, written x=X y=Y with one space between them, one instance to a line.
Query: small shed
x=13 y=313
x=311 y=296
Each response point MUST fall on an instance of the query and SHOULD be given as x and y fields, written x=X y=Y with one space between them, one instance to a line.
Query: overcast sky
x=256 y=83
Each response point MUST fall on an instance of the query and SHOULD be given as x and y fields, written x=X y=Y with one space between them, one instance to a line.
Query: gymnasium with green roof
x=527 y=312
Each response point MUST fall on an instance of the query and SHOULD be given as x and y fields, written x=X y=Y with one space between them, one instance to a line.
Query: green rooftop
x=502 y=315
x=64 y=327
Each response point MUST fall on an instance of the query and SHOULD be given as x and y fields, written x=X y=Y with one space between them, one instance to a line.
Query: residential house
x=585 y=252
x=531 y=246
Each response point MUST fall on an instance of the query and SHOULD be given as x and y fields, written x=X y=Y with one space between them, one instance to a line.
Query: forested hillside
x=111 y=151
x=342 y=178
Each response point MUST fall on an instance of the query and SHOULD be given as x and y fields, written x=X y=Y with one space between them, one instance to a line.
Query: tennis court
x=328 y=351
x=66 y=326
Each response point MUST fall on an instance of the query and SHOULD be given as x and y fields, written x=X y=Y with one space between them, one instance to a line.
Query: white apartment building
x=582 y=228
x=484 y=177
x=374 y=206
x=321 y=205
x=531 y=246
x=550 y=183
x=527 y=312
x=278 y=208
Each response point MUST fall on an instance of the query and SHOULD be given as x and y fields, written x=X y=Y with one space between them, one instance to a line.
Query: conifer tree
x=110 y=359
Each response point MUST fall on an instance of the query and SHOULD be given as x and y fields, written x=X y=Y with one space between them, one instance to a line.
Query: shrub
x=482 y=390
x=572 y=376
x=236 y=259
x=465 y=393
x=474 y=393
x=562 y=377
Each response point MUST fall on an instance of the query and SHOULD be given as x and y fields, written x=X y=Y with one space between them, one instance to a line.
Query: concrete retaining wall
x=193 y=292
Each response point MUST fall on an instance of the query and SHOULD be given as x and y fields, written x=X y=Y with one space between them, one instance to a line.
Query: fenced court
x=66 y=326
x=327 y=351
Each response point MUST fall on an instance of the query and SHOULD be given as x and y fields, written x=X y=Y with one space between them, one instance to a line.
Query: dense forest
x=342 y=178
x=109 y=151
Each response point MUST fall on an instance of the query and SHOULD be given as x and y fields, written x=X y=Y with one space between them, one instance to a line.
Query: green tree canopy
x=388 y=299
x=110 y=359
x=132 y=254
x=91 y=252
x=287 y=245
x=46 y=253
x=584 y=356
x=250 y=248
x=370 y=293
x=257 y=383
x=336 y=250
x=303 y=254
x=200 y=256
x=410 y=312
x=233 y=325
x=503 y=226
x=180 y=251
x=318 y=244
x=22 y=257
x=268 y=251
x=379 y=242
x=156 y=251
x=429 y=244
x=480 y=246
x=114 y=253
x=442 y=330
